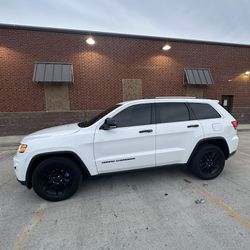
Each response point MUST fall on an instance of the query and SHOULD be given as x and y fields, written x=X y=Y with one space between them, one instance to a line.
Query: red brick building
x=115 y=68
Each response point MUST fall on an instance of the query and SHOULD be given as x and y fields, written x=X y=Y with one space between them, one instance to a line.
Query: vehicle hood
x=54 y=131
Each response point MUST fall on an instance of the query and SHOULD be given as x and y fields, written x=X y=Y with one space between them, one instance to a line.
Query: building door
x=227 y=102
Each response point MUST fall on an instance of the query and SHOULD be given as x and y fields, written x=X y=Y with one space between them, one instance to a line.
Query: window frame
x=151 y=114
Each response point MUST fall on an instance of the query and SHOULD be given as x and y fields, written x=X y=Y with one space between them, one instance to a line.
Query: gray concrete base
x=150 y=209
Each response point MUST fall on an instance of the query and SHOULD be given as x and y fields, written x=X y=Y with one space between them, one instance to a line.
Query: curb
x=243 y=129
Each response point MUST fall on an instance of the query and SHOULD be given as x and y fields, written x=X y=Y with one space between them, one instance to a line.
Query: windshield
x=98 y=117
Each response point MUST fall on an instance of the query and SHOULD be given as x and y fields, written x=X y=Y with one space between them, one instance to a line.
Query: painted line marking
x=24 y=236
x=243 y=221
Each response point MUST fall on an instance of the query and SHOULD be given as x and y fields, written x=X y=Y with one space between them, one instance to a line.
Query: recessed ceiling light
x=90 y=41
x=166 y=47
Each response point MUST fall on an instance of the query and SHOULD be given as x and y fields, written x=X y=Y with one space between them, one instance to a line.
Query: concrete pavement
x=151 y=209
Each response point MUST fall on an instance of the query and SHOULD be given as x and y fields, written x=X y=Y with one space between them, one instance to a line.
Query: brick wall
x=99 y=70
x=242 y=114
x=21 y=123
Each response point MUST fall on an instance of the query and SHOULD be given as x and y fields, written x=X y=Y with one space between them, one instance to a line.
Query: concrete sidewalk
x=244 y=127
x=14 y=140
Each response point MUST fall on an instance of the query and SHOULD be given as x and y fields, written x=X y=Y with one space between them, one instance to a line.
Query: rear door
x=129 y=146
x=177 y=132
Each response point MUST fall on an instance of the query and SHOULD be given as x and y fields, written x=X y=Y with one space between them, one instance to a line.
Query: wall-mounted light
x=90 y=41
x=166 y=47
x=247 y=73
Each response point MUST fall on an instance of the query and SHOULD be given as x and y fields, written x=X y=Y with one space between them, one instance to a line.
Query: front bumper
x=22 y=182
x=20 y=167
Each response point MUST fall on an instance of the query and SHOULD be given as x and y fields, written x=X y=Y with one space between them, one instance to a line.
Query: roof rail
x=175 y=97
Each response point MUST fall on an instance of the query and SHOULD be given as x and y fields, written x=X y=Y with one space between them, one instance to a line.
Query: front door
x=131 y=145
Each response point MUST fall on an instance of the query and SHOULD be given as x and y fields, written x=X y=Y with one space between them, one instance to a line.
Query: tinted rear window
x=204 y=111
x=171 y=112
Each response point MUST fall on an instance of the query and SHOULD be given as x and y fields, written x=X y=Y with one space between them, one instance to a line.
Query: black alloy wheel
x=56 y=178
x=208 y=162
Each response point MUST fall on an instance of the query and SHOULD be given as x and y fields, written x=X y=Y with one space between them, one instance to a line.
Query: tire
x=56 y=178
x=208 y=162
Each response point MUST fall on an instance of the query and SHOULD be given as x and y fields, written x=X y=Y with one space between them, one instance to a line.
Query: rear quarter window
x=204 y=111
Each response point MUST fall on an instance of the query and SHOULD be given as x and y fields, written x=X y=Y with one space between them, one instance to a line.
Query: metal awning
x=198 y=76
x=53 y=72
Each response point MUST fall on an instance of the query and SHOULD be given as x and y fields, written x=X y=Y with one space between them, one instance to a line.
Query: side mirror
x=109 y=124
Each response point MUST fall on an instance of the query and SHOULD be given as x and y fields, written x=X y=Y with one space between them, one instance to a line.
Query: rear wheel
x=208 y=162
x=56 y=178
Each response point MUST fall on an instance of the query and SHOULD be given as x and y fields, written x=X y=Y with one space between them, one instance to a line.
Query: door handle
x=193 y=126
x=146 y=131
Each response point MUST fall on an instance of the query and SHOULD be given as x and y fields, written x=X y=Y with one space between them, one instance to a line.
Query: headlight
x=22 y=148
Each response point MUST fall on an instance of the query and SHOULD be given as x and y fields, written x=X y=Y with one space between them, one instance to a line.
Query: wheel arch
x=218 y=141
x=43 y=156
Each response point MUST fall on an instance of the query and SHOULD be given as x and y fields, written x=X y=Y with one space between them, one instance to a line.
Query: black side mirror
x=109 y=124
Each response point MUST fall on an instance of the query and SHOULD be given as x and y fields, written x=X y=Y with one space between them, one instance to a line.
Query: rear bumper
x=233 y=144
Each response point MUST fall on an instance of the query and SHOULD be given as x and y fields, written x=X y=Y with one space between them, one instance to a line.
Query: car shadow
x=141 y=177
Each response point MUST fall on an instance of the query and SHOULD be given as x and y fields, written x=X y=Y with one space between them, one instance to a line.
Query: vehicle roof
x=169 y=99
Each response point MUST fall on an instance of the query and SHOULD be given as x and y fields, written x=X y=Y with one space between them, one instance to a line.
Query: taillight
x=235 y=124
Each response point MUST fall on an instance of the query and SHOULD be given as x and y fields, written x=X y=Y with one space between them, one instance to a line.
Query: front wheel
x=208 y=162
x=56 y=178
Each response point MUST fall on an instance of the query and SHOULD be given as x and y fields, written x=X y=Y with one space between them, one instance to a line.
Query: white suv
x=131 y=135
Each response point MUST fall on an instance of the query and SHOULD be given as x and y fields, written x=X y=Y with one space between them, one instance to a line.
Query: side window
x=171 y=112
x=204 y=111
x=134 y=116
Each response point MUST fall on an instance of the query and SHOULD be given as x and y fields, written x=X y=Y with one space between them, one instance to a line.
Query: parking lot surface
x=162 y=208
